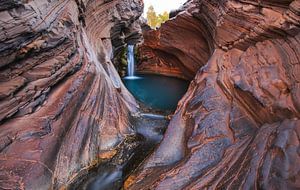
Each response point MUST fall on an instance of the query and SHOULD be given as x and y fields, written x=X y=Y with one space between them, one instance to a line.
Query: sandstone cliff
x=238 y=125
x=63 y=106
x=64 y=109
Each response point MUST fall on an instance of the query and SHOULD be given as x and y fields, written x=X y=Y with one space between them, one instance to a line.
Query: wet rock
x=62 y=102
x=238 y=125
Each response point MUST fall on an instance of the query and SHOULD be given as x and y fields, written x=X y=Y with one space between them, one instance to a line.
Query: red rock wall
x=238 y=126
x=178 y=48
x=62 y=104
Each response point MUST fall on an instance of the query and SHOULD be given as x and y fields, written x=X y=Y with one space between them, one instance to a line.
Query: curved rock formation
x=178 y=48
x=238 y=126
x=63 y=107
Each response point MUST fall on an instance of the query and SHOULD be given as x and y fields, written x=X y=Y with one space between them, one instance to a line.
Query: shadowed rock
x=64 y=109
x=63 y=105
x=238 y=125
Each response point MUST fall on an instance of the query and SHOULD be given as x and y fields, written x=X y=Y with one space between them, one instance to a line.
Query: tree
x=162 y=18
x=155 y=21
x=151 y=17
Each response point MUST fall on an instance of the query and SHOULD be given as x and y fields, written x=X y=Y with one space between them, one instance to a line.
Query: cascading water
x=131 y=61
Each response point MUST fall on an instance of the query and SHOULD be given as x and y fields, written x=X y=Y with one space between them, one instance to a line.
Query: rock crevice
x=62 y=102
x=238 y=125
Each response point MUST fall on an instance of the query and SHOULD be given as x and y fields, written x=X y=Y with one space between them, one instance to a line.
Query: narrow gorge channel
x=157 y=96
x=93 y=98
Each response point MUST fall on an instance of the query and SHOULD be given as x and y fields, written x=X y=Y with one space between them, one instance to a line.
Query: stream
x=158 y=97
x=111 y=175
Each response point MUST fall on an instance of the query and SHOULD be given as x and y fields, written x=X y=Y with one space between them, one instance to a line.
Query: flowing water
x=130 y=61
x=156 y=91
x=110 y=176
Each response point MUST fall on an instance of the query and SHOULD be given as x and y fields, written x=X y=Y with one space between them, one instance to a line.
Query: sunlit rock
x=62 y=102
x=238 y=125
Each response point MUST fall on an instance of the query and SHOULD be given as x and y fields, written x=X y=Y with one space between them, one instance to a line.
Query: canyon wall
x=63 y=107
x=238 y=126
x=178 y=48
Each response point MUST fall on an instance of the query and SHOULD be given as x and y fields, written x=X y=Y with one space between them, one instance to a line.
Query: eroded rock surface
x=178 y=48
x=64 y=110
x=238 y=126
x=63 y=107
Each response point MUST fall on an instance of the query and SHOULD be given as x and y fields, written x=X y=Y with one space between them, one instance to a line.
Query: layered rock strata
x=63 y=107
x=238 y=126
x=178 y=48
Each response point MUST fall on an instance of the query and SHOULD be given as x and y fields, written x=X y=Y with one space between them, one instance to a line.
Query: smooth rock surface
x=238 y=126
x=62 y=104
x=178 y=48
x=64 y=109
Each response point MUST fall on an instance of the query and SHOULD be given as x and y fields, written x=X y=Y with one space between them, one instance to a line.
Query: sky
x=163 y=5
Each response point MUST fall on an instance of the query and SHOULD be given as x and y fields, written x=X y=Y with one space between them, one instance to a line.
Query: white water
x=153 y=116
x=130 y=60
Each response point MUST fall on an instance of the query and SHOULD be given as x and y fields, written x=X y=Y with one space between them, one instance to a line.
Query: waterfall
x=130 y=60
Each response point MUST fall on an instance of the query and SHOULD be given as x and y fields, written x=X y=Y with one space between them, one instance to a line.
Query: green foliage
x=155 y=21
x=123 y=57
x=137 y=54
x=151 y=17
x=162 y=18
x=122 y=62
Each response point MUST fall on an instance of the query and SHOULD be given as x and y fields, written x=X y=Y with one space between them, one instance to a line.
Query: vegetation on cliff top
x=154 y=20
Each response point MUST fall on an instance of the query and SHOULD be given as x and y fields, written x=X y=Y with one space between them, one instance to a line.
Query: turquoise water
x=156 y=91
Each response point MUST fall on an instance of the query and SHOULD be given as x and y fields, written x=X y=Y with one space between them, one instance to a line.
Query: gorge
x=67 y=121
